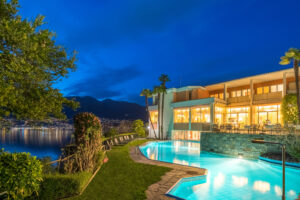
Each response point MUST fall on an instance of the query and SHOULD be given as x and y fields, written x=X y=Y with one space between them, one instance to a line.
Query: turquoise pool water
x=228 y=178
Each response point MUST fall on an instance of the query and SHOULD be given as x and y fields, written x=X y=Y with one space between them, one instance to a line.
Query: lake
x=38 y=142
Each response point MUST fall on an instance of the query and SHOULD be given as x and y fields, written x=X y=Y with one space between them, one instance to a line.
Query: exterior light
x=262 y=141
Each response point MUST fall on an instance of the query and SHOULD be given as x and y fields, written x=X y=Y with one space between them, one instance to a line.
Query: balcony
x=238 y=100
x=267 y=98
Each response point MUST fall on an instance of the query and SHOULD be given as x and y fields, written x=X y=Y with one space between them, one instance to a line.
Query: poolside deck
x=158 y=190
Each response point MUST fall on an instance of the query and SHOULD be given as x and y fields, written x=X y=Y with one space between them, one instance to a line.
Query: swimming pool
x=227 y=178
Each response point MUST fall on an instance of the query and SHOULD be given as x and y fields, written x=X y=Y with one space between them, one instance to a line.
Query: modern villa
x=251 y=102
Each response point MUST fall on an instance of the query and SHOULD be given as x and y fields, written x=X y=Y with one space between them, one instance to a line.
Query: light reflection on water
x=227 y=178
x=38 y=142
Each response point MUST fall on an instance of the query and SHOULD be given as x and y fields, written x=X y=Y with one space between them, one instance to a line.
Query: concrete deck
x=158 y=190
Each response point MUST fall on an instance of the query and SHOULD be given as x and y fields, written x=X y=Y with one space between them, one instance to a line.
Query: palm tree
x=147 y=93
x=293 y=54
x=163 y=79
x=157 y=91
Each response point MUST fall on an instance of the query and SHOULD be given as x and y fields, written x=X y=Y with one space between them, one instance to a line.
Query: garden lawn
x=122 y=178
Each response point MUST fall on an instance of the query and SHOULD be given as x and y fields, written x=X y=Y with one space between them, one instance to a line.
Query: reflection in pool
x=38 y=142
x=227 y=178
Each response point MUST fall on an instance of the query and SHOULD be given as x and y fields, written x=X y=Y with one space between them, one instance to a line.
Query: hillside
x=108 y=109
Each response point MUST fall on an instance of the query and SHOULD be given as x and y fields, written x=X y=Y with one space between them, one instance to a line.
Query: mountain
x=108 y=109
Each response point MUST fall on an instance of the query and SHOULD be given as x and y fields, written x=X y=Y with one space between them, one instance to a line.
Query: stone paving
x=158 y=190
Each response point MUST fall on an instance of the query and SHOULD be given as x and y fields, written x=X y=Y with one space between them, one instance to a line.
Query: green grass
x=122 y=178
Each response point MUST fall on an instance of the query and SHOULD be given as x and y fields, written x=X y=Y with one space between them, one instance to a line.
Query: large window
x=239 y=93
x=269 y=89
x=219 y=115
x=200 y=114
x=181 y=115
x=154 y=116
x=269 y=114
x=238 y=115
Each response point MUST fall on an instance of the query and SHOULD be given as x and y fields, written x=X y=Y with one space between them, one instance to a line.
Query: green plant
x=57 y=186
x=293 y=146
x=20 y=174
x=112 y=132
x=289 y=108
x=138 y=127
x=87 y=127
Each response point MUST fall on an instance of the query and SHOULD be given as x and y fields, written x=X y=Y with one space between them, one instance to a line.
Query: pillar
x=212 y=117
x=225 y=92
x=190 y=118
x=284 y=84
x=251 y=101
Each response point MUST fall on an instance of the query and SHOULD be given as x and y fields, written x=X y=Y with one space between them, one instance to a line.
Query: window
x=238 y=115
x=221 y=96
x=266 y=89
x=274 y=88
x=181 y=115
x=246 y=92
x=259 y=90
x=200 y=114
x=154 y=116
x=233 y=94
x=238 y=93
x=269 y=114
x=280 y=88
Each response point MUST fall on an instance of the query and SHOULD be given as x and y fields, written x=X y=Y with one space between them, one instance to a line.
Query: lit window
x=238 y=93
x=233 y=94
x=245 y=92
x=200 y=114
x=154 y=116
x=259 y=90
x=280 y=88
x=274 y=88
x=181 y=116
x=266 y=89
x=221 y=96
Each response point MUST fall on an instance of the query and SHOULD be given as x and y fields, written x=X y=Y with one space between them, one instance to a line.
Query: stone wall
x=240 y=144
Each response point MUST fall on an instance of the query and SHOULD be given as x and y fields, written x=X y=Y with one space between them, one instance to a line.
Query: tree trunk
x=147 y=109
x=158 y=109
x=162 y=115
x=296 y=70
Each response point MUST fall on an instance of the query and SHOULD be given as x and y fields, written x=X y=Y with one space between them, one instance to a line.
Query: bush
x=57 y=186
x=20 y=174
x=289 y=108
x=293 y=146
x=112 y=132
x=138 y=127
x=87 y=126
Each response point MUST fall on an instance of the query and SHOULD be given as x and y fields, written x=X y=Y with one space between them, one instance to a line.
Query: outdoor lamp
x=261 y=141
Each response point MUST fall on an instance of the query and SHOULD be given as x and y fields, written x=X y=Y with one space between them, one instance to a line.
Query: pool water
x=227 y=178
x=38 y=142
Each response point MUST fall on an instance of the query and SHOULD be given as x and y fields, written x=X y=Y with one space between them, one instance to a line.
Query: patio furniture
x=229 y=127
x=215 y=127
x=254 y=128
x=248 y=128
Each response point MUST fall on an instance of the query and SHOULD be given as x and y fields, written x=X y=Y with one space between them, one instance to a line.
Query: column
x=212 y=117
x=251 y=101
x=225 y=92
x=284 y=83
x=190 y=118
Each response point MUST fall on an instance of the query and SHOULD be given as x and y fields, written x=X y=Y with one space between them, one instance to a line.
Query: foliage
x=112 y=132
x=132 y=177
x=47 y=169
x=138 y=127
x=20 y=174
x=84 y=155
x=87 y=127
x=291 y=54
x=57 y=186
x=31 y=63
x=289 y=109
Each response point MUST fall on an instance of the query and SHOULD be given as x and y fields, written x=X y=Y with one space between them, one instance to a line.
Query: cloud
x=101 y=83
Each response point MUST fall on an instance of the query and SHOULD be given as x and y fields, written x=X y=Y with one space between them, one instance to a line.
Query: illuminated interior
x=181 y=115
x=200 y=114
x=238 y=115
x=269 y=114
x=219 y=115
x=154 y=116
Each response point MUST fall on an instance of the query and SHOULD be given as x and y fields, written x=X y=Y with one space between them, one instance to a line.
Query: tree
x=293 y=55
x=157 y=90
x=138 y=127
x=289 y=108
x=30 y=64
x=163 y=79
x=147 y=93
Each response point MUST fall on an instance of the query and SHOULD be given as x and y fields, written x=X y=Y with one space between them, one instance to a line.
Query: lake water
x=38 y=142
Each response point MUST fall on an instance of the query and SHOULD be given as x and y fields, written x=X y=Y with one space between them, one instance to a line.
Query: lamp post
x=261 y=141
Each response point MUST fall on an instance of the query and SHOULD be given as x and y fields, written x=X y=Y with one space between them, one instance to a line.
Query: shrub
x=138 y=127
x=57 y=186
x=289 y=109
x=293 y=146
x=112 y=132
x=87 y=126
x=20 y=174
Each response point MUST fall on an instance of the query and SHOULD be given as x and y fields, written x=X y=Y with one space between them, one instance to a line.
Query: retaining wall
x=240 y=144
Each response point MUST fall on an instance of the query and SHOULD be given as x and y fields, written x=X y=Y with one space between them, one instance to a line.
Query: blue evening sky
x=124 y=45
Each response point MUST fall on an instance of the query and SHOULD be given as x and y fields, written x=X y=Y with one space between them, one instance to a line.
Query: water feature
x=39 y=142
x=228 y=178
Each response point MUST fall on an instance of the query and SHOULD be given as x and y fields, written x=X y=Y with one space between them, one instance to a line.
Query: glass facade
x=181 y=115
x=219 y=114
x=268 y=114
x=200 y=114
x=238 y=115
